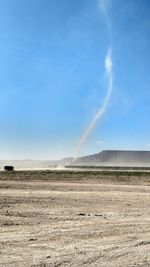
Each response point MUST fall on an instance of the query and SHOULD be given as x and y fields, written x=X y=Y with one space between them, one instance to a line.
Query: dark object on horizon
x=9 y=168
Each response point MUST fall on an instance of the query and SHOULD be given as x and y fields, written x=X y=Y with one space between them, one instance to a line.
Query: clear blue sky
x=52 y=77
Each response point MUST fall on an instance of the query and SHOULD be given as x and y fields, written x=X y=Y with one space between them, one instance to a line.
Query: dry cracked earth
x=50 y=219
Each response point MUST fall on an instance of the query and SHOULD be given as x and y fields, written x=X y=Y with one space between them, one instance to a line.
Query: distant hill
x=116 y=157
x=104 y=158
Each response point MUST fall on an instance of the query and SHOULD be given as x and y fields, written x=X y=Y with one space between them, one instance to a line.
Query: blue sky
x=52 y=76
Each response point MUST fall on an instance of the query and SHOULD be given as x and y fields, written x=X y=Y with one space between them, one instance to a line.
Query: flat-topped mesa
x=117 y=157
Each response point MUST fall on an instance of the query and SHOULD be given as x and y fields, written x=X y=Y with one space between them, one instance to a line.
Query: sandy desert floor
x=50 y=219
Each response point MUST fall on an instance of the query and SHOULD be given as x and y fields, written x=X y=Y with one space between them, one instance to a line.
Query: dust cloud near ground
x=50 y=219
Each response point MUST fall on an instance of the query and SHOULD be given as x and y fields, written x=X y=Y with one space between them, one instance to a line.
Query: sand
x=52 y=219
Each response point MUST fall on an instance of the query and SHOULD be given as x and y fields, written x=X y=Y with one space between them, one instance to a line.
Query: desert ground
x=66 y=218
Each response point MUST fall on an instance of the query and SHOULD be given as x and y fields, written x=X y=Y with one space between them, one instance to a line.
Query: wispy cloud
x=104 y=6
x=147 y=145
x=99 y=142
x=108 y=62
